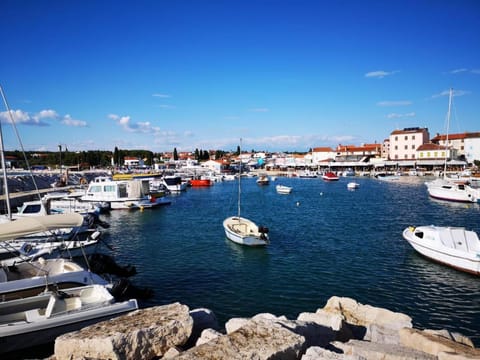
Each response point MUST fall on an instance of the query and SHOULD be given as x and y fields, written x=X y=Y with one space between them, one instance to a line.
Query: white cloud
x=457 y=71
x=165 y=106
x=138 y=127
x=455 y=93
x=161 y=95
x=69 y=121
x=396 y=116
x=380 y=74
x=23 y=117
x=394 y=103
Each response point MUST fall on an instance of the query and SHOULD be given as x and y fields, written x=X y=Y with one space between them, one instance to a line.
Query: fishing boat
x=241 y=230
x=451 y=189
x=39 y=319
x=283 y=189
x=453 y=246
x=200 y=182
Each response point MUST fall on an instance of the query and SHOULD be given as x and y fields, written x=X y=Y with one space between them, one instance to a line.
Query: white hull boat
x=353 y=185
x=40 y=319
x=282 y=189
x=245 y=232
x=452 y=246
x=452 y=190
x=241 y=230
x=31 y=278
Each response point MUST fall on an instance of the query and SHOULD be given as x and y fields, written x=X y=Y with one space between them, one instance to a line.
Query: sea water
x=325 y=241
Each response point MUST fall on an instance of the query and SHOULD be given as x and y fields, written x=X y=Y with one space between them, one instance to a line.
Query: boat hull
x=455 y=247
x=244 y=232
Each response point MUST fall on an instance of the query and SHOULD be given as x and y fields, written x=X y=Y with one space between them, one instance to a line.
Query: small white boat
x=353 y=185
x=244 y=231
x=452 y=246
x=263 y=179
x=283 y=189
x=40 y=319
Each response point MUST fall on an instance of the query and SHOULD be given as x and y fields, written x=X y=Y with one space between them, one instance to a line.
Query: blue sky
x=281 y=75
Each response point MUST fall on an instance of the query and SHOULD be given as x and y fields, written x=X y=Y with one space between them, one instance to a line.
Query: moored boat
x=283 y=189
x=39 y=319
x=453 y=246
x=330 y=176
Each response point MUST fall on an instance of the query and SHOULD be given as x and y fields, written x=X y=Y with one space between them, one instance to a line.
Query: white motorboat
x=452 y=246
x=352 y=185
x=244 y=231
x=29 y=238
x=33 y=277
x=40 y=319
x=283 y=189
x=121 y=194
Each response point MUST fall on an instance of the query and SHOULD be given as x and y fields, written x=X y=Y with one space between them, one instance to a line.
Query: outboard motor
x=263 y=229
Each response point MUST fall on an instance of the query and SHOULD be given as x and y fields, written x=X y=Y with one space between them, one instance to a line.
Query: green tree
x=175 y=154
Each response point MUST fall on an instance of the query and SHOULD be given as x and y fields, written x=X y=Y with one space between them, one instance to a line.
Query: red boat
x=330 y=176
x=200 y=182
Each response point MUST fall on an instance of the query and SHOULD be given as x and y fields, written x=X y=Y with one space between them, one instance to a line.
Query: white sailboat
x=241 y=230
x=451 y=189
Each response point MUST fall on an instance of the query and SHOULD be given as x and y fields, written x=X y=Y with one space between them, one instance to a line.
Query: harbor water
x=325 y=241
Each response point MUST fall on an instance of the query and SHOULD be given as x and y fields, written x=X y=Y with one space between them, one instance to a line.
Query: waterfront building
x=467 y=145
x=322 y=154
x=404 y=143
x=360 y=153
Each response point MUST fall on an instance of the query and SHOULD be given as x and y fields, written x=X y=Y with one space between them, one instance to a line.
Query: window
x=413 y=147
x=396 y=156
x=396 y=138
x=396 y=147
x=406 y=156
x=406 y=137
x=413 y=137
x=435 y=154
x=406 y=147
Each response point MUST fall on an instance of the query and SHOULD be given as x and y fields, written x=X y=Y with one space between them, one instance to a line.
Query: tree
x=116 y=160
x=238 y=150
x=175 y=154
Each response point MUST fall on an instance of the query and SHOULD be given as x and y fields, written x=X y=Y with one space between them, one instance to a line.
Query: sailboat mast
x=448 y=127
x=2 y=155
x=239 y=178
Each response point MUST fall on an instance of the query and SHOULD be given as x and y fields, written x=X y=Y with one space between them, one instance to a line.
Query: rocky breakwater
x=343 y=329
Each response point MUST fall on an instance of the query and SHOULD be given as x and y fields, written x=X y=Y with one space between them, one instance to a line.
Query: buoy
x=141 y=208
x=298 y=203
x=321 y=193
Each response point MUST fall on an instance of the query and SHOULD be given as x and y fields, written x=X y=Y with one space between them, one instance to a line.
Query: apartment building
x=404 y=143
x=467 y=145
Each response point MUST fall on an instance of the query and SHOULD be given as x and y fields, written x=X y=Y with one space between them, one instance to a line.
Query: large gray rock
x=368 y=322
x=256 y=339
x=357 y=349
x=142 y=334
x=437 y=344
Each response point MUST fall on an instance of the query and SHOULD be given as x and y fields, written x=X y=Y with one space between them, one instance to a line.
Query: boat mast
x=239 y=178
x=2 y=155
x=448 y=126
